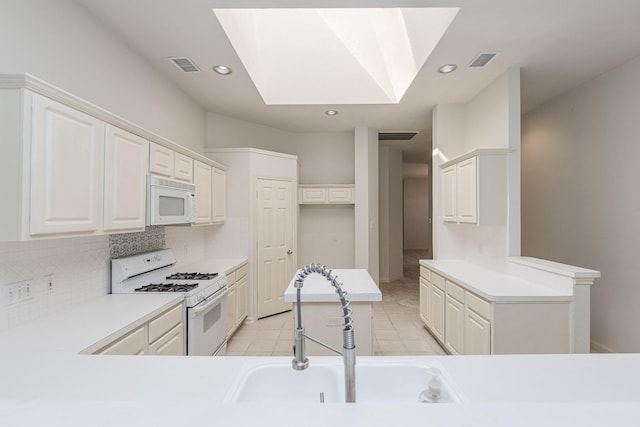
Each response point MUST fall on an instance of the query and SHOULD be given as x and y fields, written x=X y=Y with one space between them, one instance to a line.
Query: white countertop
x=357 y=282
x=89 y=326
x=493 y=285
x=79 y=390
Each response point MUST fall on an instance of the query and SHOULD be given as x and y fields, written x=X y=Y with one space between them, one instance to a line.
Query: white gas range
x=204 y=293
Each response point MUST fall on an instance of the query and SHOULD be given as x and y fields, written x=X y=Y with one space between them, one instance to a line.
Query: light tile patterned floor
x=397 y=327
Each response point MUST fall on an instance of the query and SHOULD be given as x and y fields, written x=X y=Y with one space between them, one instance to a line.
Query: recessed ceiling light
x=448 y=68
x=331 y=112
x=222 y=69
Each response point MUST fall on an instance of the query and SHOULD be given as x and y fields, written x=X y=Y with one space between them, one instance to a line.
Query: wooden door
x=274 y=233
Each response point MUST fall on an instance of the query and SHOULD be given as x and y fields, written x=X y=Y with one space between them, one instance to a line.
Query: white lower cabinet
x=465 y=323
x=454 y=319
x=477 y=333
x=237 y=298
x=164 y=335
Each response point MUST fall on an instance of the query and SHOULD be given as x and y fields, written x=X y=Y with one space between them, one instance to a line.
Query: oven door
x=207 y=326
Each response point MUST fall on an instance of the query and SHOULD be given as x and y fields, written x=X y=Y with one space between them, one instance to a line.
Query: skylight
x=334 y=56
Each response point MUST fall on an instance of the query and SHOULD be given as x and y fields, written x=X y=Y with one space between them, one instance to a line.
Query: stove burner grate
x=167 y=287
x=192 y=276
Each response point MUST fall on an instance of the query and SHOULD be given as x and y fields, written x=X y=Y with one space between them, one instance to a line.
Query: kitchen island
x=322 y=315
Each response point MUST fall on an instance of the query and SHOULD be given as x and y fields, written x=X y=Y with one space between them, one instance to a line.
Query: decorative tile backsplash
x=123 y=245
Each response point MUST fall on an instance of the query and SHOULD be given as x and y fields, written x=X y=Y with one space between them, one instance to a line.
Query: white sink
x=281 y=383
x=376 y=382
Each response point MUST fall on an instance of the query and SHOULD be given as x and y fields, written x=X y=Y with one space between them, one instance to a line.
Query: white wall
x=416 y=213
x=390 y=211
x=489 y=120
x=326 y=233
x=62 y=44
x=579 y=204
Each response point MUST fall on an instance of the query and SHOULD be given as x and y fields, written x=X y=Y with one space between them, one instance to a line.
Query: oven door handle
x=200 y=308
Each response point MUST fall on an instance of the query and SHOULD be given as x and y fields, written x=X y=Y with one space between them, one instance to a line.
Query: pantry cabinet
x=126 y=160
x=474 y=188
x=66 y=169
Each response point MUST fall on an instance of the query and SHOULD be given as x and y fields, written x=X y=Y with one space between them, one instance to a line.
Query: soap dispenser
x=433 y=393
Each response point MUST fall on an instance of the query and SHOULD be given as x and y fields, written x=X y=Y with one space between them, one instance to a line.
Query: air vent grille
x=482 y=60
x=185 y=64
x=395 y=136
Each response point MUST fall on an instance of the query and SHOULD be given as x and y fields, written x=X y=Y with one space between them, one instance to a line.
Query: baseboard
x=599 y=348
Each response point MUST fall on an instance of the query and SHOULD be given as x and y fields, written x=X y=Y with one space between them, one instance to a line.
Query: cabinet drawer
x=455 y=291
x=437 y=281
x=163 y=323
x=480 y=306
x=242 y=271
x=425 y=273
x=133 y=344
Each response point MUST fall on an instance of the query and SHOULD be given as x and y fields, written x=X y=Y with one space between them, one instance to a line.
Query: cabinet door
x=340 y=195
x=467 y=191
x=231 y=310
x=449 y=194
x=437 y=312
x=66 y=170
x=313 y=195
x=170 y=344
x=241 y=300
x=160 y=160
x=126 y=162
x=477 y=333
x=202 y=178
x=219 y=195
x=454 y=326
x=133 y=344
x=182 y=167
x=425 y=301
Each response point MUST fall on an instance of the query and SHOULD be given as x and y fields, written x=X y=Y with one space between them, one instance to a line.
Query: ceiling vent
x=185 y=64
x=395 y=135
x=481 y=60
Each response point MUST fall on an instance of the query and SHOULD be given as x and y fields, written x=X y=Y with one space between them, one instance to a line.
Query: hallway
x=397 y=328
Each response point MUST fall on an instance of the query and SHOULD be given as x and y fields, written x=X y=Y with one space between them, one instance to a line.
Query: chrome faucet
x=300 y=361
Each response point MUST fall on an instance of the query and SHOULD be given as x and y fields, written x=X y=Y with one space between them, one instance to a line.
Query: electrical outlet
x=13 y=293
x=49 y=284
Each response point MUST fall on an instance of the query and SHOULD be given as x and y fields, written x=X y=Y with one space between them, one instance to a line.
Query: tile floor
x=397 y=327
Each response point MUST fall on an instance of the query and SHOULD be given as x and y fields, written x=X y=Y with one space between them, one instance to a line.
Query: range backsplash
x=123 y=245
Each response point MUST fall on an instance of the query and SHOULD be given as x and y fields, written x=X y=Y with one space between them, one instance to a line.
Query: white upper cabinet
x=182 y=167
x=203 y=179
x=474 y=188
x=67 y=169
x=126 y=160
x=160 y=160
x=337 y=194
x=219 y=195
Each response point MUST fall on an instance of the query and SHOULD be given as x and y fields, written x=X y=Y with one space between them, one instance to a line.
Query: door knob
x=289 y=252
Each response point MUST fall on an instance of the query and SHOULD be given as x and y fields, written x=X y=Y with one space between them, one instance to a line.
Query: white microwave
x=170 y=202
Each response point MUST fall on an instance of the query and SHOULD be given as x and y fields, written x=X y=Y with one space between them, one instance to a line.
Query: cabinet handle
x=289 y=252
